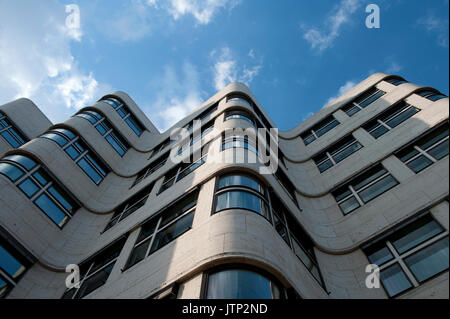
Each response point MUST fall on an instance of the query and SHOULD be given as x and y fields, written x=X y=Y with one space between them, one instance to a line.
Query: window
x=427 y=150
x=239 y=141
x=363 y=101
x=95 y=271
x=363 y=188
x=241 y=283
x=410 y=254
x=239 y=115
x=125 y=114
x=182 y=170
x=10 y=132
x=106 y=130
x=36 y=183
x=337 y=153
x=389 y=119
x=242 y=192
x=14 y=262
x=79 y=152
x=239 y=97
x=287 y=185
x=396 y=81
x=164 y=228
x=149 y=170
x=130 y=206
x=432 y=96
x=198 y=136
x=319 y=129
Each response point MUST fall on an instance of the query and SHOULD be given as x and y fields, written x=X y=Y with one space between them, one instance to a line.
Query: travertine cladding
x=233 y=235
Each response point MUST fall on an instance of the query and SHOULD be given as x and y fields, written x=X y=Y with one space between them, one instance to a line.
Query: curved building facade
x=215 y=208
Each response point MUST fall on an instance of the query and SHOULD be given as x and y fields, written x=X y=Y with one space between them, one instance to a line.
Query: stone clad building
x=363 y=181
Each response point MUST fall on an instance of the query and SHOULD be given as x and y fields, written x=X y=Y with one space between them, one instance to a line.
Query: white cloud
x=437 y=26
x=226 y=70
x=342 y=90
x=394 y=68
x=36 y=59
x=177 y=96
x=201 y=10
x=323 y=39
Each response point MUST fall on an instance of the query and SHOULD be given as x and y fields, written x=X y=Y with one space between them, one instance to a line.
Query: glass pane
x=18 y=136
x=240 y=284
x=138 y=254
x=368 y=177
x=90 y=171
x=41 y=176
x=95 y=162
x=101 y=129
x=298 y=250
x=381 y=130
x=11 y=171
x=349 y=205
x=10 y=264
x=352 y=110
x=122 y=112
x=402 y=117
x=309 y=139
x=239 y=180
x=436 y=97
x=415 y=233
x=378 y=188
x=371 y=99
x=50 y=209
x=394 y=280
x=429 y=261
x=62 y=198
x=167 y=235
x=407 y=154
x=133 y=125
x=281 y=228
x=341 y=193
x=419 y=163
x=26 y=162
x=28 y=187
x=325 y=165
x=439 y=151
x=433 y=137
x=347 y=152
x=238 y=199
x=95 y=281
x=115 y=145
x=10 y=139
x=4 y=288
x=378 y=253
x=57 y=138
x=72 y=152
x=327 y=128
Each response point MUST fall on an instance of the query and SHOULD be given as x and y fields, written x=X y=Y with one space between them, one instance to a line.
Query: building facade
x=362 y=182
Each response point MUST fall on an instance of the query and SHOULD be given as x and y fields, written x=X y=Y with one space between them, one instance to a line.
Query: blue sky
x=171 y=55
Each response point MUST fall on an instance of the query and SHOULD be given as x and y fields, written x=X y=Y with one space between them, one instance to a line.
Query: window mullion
x=331 y=158
x=402 y=264
x=431 y=158
x=7 y=277
x=153 y=237
x=361 y=203
x=384 y=124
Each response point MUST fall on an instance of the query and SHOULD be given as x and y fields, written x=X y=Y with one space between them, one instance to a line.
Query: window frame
x=360 y=99
x=118 y=105
x=313 y=131
x=6 y=125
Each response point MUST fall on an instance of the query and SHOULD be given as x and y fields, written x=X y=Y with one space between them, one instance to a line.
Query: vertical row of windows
x=106 y=130
x=35 y=182
x=364 y=188
x=427 y=150
x=125 y=114
x=337 y=153
x=79 y=152
x=205 y=130
x=13 y=265
x=95 y=271
x=10 y=133
x=164 y=228
x=242 y=191
x=410 y=254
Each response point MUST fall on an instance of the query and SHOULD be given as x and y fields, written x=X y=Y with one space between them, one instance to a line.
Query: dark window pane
x=439 y=151
x=371 y=99
x=101 y=129
x=132 y=123
x=10 y=139
x=41 y=176
x=115 y=145
x=325 y=165
x=347 y=152
x=309 y=139
x=368 y=177
x=341 y=193
x=378 y=253
x=327 y=128
x=402 y=117
x=50 y=209
x=240 y=284
x=72 y=152
x=62 y=198
x=407 y=153
x=351 y=109
x=18 y=136
x=349 y=205
x=11 y=171
x=57 y=138
x=378 y=188
x=90 y=171
x=237 y=199
x=394 y=280
x=28 y=187
x=96 y=164
x=138 y=253
x=95 y=281
x=419 y=164
x=415 y=233
x=239 y=180
x=381 y=130
x=10 y=264
x=26 y=162
x=430 y=261
x=167 y=235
